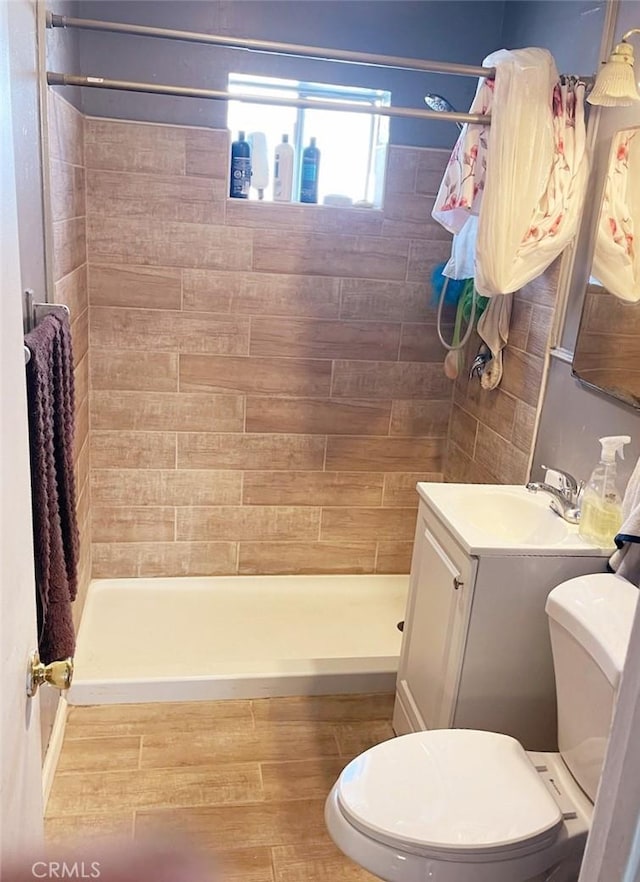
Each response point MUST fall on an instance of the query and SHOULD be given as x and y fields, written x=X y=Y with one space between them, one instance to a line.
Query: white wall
x=617 y=814
x=23 y=49
x=573 y=416
x=23 y=60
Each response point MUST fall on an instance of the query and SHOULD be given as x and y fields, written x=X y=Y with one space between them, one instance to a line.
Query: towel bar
x=40 y=310
x=37 y=311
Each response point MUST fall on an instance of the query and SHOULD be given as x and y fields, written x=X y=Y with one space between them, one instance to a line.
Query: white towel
x=625 y=561
x=493 y=329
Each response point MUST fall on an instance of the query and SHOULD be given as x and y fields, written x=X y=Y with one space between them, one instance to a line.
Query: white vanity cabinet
x=475 y=648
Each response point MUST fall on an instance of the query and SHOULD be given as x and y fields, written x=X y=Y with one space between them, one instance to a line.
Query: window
x=352 y=145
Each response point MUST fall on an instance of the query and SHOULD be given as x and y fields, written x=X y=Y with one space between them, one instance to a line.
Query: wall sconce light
x=615 y=84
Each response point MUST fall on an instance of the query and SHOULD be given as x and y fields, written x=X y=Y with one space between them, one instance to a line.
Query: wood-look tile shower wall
x=68 y=202
x=266 y=382
x=492 y=433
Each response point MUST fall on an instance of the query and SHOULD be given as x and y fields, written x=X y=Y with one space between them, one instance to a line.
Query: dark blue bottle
x=240 y=168
x=309 y=176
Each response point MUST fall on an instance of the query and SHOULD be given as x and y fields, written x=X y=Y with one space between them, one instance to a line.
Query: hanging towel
x=625 y=561
x=50 y=398
x=493 y=329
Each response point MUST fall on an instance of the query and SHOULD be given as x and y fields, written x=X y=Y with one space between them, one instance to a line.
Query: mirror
x=607 y=352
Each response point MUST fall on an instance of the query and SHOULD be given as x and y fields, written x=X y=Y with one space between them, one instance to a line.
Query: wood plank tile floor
x=245 y=780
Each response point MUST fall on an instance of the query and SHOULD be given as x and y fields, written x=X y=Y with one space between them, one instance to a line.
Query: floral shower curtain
x=522 y=181
x=512 y=194
x=616 y=259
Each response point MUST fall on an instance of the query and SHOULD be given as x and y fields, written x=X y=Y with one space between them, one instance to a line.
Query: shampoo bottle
x=259 y=162
x=283 y=171
x=240 y=168
x=309 y=176
x=601 y=509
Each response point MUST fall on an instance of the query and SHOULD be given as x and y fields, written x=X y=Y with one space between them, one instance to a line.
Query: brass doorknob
x=58 y=674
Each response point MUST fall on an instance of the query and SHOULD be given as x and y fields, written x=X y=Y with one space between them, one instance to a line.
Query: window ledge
x=318 y=206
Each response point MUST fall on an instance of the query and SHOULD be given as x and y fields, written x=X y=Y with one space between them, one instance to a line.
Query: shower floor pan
x=189 y=639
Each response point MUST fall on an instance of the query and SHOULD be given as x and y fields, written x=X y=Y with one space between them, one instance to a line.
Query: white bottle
x=259 y=162
x=283 y=171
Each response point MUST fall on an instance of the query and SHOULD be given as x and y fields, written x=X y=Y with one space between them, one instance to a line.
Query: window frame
x=248 y=84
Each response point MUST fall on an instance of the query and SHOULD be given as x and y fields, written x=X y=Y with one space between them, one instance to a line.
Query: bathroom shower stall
x=259 y=387
x=186 y=639
x=241 y=412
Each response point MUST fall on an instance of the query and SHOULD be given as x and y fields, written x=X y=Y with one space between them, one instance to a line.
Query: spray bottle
x=601 y=509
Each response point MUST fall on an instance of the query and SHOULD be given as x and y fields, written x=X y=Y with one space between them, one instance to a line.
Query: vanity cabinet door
x=435 y=629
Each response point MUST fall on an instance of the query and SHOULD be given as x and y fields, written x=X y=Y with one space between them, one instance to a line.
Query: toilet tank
x=590 y=621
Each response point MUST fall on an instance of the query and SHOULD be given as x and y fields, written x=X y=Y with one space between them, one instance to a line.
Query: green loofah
x=463 y=312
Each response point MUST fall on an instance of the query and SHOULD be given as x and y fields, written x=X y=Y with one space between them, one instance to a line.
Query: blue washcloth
x=454 y=287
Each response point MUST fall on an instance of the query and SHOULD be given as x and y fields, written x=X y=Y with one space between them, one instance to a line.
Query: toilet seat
x=491 y=802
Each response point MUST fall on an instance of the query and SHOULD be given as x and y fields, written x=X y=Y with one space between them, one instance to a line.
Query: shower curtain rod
x=318 y=52
x=60 y=79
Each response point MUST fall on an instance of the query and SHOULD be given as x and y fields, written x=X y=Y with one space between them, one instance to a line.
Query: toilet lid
x=449 y=790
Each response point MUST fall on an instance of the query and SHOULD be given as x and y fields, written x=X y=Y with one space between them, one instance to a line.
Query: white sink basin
x=511 y=516
x=508 y=518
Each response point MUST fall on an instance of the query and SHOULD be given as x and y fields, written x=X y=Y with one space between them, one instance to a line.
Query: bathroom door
x=21 y=822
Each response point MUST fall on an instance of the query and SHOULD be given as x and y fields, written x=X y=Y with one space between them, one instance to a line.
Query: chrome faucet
x=564 y=490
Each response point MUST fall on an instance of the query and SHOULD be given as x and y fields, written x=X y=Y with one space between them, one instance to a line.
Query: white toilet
x=460 y=805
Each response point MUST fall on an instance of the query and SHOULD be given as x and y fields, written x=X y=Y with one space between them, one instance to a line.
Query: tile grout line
x=164 y=807
x=62 y=220
x=272 y=868
x=335 y=737
x=261 y=777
